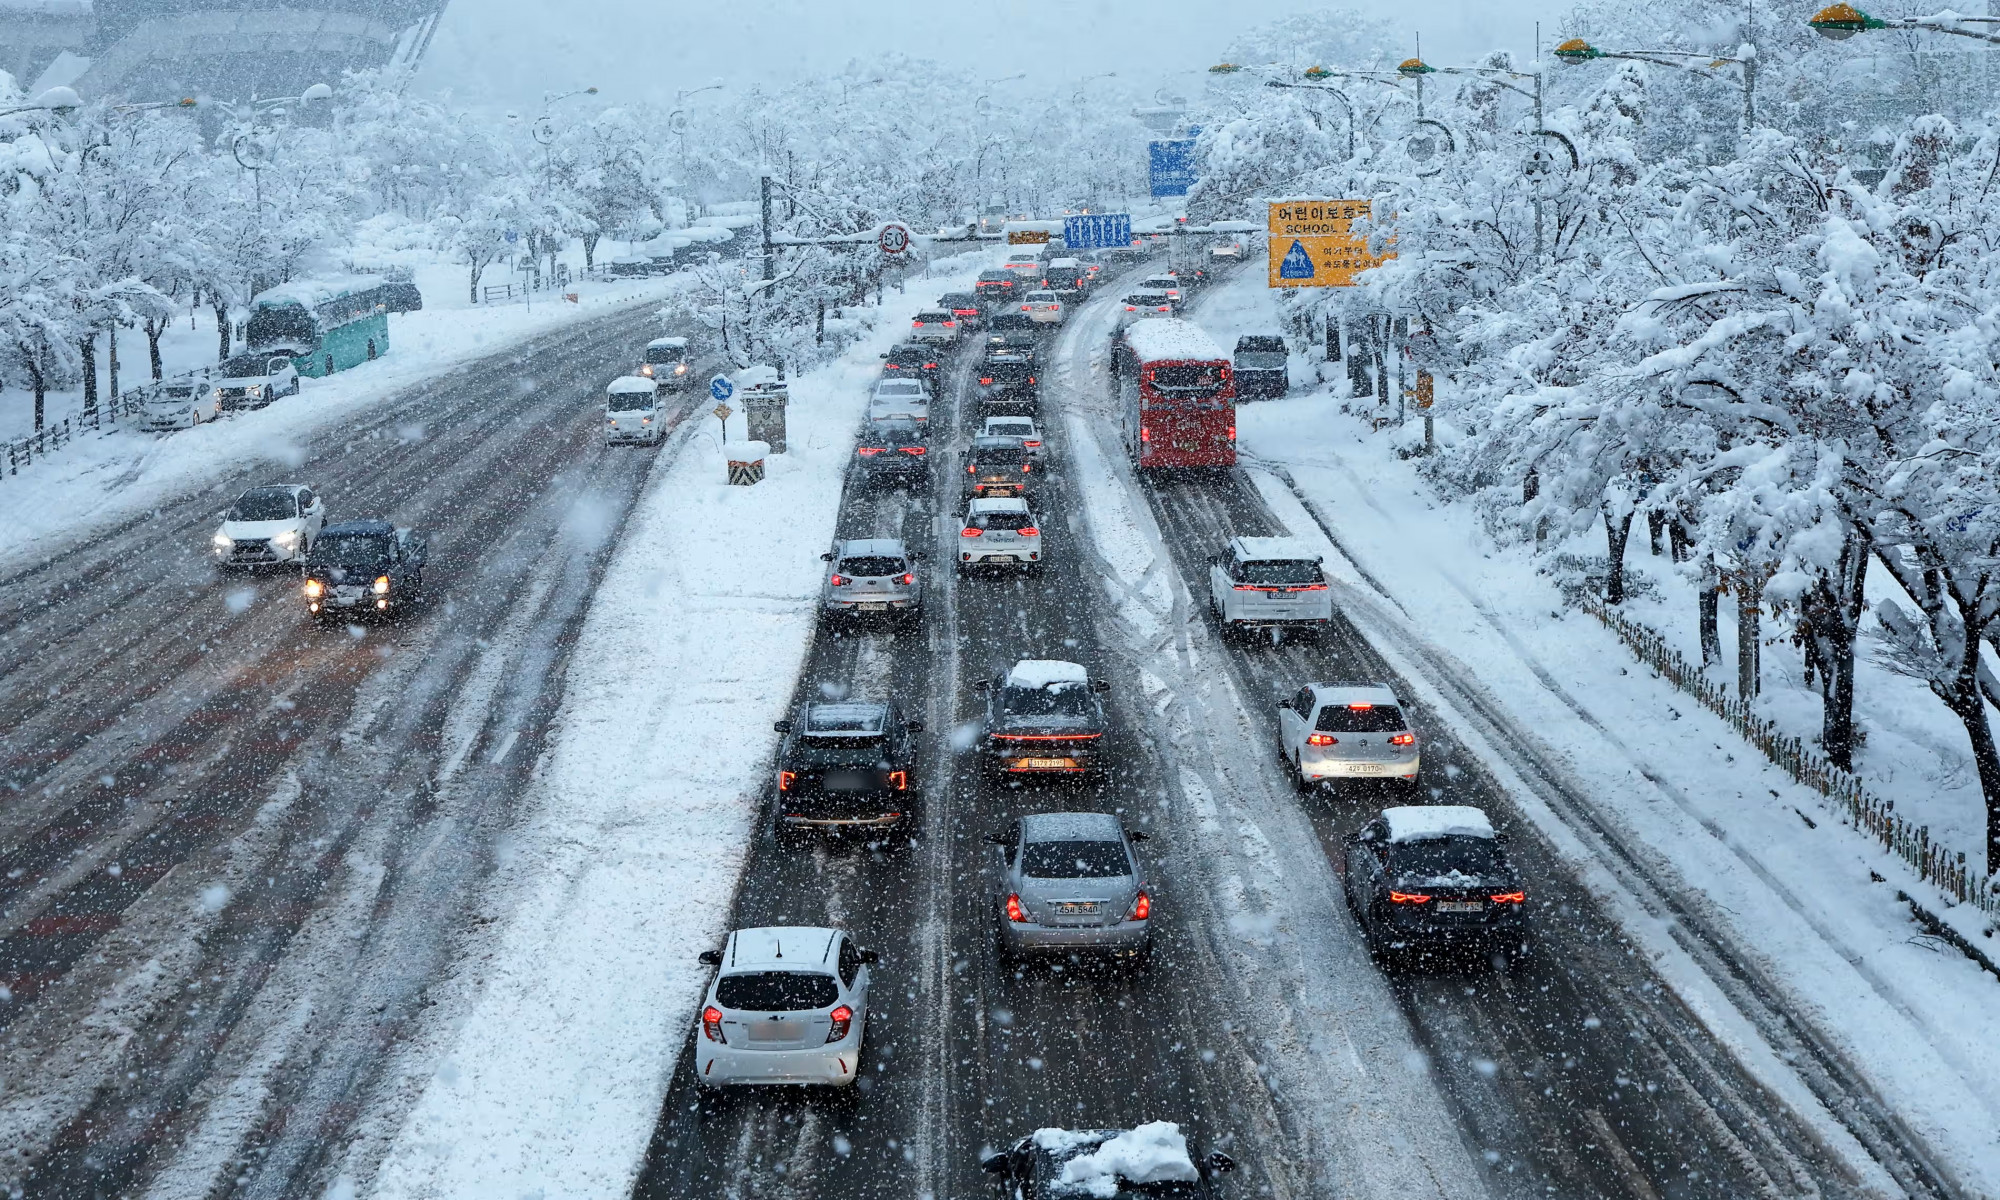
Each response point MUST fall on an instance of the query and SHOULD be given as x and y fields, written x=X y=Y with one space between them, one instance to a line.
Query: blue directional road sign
x=720 y=388
x=1097 y=231
x=1297 y=264
x=1171 y=166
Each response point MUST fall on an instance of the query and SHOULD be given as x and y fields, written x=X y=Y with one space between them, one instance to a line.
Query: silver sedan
x=1071 y=883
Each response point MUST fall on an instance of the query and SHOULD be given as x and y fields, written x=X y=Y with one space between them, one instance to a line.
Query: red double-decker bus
x=1177 y=395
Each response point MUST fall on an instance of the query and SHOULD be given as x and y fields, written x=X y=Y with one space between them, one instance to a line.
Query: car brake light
x=1025 y=308
x=913 y=449
x=1131 y=308
x=785 y=779
x=900 y=780
x=972 y=469
x=869 y=451
x=1145 y=435
x=1015 y=912
x=1322 y=739
x=1030 y=445
x=909 y=577
x=968 y=533
x=1031 y=379
x=843 y=1020
x=711 y=1024
x=1248 y=587
x=986 y=379
x=1409 y=898
x=839 y=581
x=1029 y=531
x=1310 y=587
x=1403 y=739
x=951 y=324
x=892 y=366
x=1360 y=706
x=1142 y=908
x=1510 y=897
x=930 y=366
x=1025 y=468
x=1232 y=433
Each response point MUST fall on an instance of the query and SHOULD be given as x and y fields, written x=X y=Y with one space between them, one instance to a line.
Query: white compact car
x=789 y=1004
x=1268 y=583
x=1023 y=428
x=180 y=404
x=1043 y=307
x=899 y=398
x=1000 y=533
x=1330 y=731
x=275 y=524
x=632 y=410
x=937 y=326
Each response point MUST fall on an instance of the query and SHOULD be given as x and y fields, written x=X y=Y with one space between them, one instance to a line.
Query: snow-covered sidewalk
x=551 y=1074
x=1814 y=904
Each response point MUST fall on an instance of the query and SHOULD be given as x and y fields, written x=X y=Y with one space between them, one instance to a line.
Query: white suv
x=1023 y=428
x=1331 y=731
x=1268 y=583
x=273 y=524
x=1000 y=532
x=789 y=1004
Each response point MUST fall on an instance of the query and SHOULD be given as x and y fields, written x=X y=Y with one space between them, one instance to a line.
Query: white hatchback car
x=935 y=325
x=1043 y=307
x=789 y=1004
x=1023 y=428
x=1000 y=532
x=275 y=524
x=1268 y=583
x=180 y=403
x=899 y=398
x=1331 y=731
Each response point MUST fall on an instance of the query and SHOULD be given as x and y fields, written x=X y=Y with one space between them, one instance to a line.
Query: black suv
x=1426 y=877
x=1018 y=342
x=893 y=451
x=913 y=360
x=845 y=767
x=1000 y=466
x=1008 y=383
x=1043 y=717
x=362 y=567
x=997 y=287
x=964 y=306
x=1039 y=1166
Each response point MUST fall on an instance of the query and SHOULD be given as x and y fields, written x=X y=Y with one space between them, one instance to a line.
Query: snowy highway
x=234 y=862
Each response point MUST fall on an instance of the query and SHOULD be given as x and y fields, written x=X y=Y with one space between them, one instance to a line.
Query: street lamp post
x=1838 y=22
x=1417 y=68
x=1576 y=52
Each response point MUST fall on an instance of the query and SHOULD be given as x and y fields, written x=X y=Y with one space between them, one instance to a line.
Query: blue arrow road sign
x=1297 y=264
x=1171 y=166
x=1097 y=231
x=720 y=388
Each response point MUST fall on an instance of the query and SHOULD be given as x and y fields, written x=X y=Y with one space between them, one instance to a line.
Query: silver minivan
x=632 y=410
x=872 y=577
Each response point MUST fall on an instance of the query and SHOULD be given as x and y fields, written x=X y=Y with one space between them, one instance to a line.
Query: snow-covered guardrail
x=21 y=452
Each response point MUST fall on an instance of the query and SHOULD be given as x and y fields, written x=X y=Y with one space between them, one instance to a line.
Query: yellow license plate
x=1045 y=764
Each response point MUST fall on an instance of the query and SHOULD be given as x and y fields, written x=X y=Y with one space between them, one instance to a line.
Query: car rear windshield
x=990 y=457
x=1442 y=856
x=899 y=388
x=1006 y=372
x=1345 y=718
x=1271 y=572
x=893 y=433
x=776 y=991
x=935 y=318
x=1064 y=274
x=265 y=506
x=352 y=550
x=1251 y=344
x=872 y=566
x=628 y=401
x=1067 y=700
x=909 y=355
x=1005 y=277
x=959 y=300
x=665 y=354
x=1074 y=860
x=1010 y=428
x=999 y=520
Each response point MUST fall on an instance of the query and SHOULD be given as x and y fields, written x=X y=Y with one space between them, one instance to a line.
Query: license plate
x=874 y=607
x=1281 y=597
x=347 y=593
x=1076 y=908
x=1460 y=906
x=1045 y=764
x=1000 y=558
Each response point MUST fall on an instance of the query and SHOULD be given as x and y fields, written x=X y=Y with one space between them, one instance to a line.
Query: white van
x=632 y=410
x=667 y=363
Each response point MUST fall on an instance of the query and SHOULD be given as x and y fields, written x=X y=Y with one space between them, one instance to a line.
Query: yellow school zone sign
x=1312 y=243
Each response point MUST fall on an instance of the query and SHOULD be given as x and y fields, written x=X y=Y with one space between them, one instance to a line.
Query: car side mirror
x=913 y=726
x=1138 y=835
x=996 y=1164
x=709 y=958
x=870 y=957
x=782 y=726
x=1218 y=1163
x=981 y=685
x=1285 y=704
x=998 y=839
x=1100 y=685
x=827 y=557
x=884 y=354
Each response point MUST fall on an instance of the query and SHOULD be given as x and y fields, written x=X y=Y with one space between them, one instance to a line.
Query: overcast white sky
x=511 y=51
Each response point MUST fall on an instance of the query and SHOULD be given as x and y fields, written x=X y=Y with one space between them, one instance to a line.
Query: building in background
x=146 y=50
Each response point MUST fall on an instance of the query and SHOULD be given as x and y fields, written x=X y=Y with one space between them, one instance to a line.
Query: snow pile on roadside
x=646 y=812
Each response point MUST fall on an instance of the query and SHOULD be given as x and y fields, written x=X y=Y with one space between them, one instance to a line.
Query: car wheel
x=1299 y=780
x=1144 y=958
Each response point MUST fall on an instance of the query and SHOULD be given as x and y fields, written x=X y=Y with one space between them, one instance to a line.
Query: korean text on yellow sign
x=1312 y=243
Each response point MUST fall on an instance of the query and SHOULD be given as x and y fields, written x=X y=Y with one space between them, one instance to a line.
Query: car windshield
x=776 y=991
x=353 y=549
x=1275 y=571
x=665 y=354
x=1043 y=297
x=1005 y=372
x=288 y=325
x=1019 y=429
x=179 y=393
x=1442 y=856
x=1366 y=718
x=999 y=520
x=872 y=566
x=1061 y=700
x=1074 y=860
x=893 y=433
x=911 y=356
x=245 y=366
x=1196 y=380
x=1260 y=345
x=628 y=401
x=265 y=506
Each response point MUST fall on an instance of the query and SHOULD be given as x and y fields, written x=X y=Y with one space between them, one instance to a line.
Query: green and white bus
x=328 y=325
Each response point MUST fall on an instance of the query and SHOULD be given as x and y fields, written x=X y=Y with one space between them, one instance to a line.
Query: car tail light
x=1509 y=897
x=892 y=366
x=968 y=533
x=972 y=469
x=930 y=366
x=1131 y=308
x=1142 y=908
x=916 y=324
x=951 y=324
x=1403 y=739
x=900 y=780
x=1232 y=433
x=913 y=449
x=1030 y=445
x=785 y=780
x=843 y=1020
x=1029 y=531
x=869 y=451
x=1031 y=379
x=1248 y=587
x=1015 y=912
x=909 y=577
x=1322 y=739
x=1311 y=587
x=711 y=1024
x=986 y=379
x=1360 y=706
x=1409 y=898
x=1026 y=467
x=1145 y=435
x=840 y=581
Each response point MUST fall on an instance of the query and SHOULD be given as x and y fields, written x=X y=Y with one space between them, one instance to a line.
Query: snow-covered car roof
x=900 y=387
x=1070 y=827
x=1155 y=1152
x=997 y=504
x=870 y=548
x=1417 y=823
x=630 y=385
x=798 y=947
x=846 y=716
x=1065 y=262
x=668 y=343
x=1171 y=338
x=1355 y=693
x=1045 y=672
x=1274 y=549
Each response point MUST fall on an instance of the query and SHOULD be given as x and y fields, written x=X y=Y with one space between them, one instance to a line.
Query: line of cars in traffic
x=365 y=567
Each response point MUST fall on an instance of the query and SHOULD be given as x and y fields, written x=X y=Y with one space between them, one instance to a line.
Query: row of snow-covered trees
x=1782 y=361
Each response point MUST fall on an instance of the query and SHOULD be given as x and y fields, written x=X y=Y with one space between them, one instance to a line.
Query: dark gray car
x=1423 y=877
x=1071 y=882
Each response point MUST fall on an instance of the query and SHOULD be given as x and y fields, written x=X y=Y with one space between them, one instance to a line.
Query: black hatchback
x=891 y=452
x=845 y=767
x=913 y=360
x=1428 y=877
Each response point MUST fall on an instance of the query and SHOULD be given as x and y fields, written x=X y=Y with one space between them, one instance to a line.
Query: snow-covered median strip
x=648 y=800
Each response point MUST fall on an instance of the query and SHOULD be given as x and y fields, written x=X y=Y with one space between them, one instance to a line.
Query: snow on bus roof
x=314 y=292
x=1170 y=337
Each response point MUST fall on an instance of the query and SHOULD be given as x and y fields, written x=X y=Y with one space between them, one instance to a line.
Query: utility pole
x=770 y=254
x=1540 y=140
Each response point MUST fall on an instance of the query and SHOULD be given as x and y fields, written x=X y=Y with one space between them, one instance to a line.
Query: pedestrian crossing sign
x=1296 y=264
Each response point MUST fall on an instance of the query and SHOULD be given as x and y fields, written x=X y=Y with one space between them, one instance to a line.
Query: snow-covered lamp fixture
x=1576 y=51
x=1414 y=68
x=1317 y=73
x=317 y=91
x=59 y=100
x=1842 y=21
x=1225 y=68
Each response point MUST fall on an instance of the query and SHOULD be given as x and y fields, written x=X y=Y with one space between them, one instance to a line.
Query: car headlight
x=288 y=539
x=223 y=541
x=255 y=389
x=647 y=370
x=680 y=368
x=381 y=585
x=314 y=589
